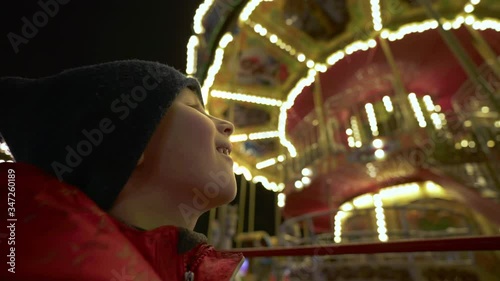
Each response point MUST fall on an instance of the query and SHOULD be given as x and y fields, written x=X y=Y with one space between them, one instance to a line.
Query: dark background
x=87 y=32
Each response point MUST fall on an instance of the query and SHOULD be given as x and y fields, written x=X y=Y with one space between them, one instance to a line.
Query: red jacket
x=55 y=232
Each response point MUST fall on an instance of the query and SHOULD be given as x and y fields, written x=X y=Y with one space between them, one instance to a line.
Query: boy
x=115 y=163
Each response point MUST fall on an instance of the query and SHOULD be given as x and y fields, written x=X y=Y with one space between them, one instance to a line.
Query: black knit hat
x=89 y=125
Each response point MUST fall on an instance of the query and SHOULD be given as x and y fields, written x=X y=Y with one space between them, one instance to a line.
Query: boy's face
x=189 y=153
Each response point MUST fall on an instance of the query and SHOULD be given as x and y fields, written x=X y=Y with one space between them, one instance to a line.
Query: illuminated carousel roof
x=261 y=62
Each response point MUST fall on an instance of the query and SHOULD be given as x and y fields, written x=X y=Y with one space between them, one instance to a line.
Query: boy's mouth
x=224 y=149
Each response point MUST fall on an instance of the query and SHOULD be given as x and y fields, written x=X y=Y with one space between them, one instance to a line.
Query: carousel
x=376 y=123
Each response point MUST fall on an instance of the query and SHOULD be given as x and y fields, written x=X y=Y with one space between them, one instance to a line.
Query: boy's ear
x=141 y=159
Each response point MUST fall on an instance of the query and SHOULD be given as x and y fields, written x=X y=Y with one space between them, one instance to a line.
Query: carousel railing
x=464 y=258
x=456 y=244
x=451 y=223
x=453 y=252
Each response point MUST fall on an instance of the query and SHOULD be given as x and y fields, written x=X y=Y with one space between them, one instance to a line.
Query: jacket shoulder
x=60 y=234
x=218 y=265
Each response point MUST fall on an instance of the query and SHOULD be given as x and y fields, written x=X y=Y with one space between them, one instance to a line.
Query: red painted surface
x=426 y=64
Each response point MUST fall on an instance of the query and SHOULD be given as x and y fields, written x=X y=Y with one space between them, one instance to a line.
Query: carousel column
x=323 y=142
x=251 y=208
x=222 y=220
x=331 y=129
x=241 y=206
x=277 y=210
x=226 y=220
x=308 y=146
x=213 y=234
x=231 y=221
x=318 y=108
x=461 y=55
x=277 y=215
x=303 y=145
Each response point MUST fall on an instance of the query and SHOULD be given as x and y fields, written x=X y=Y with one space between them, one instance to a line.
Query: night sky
x=86 y=32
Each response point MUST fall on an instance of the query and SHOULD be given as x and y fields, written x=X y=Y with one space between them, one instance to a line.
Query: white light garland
x=248 y=9
x=199 y=15
x=415 y=105
x=387 y=103
x=281 y=200
x=245 y=98
x=456 y=23
x=266 y=163
x=238 y=138
x=372 y=118
x=191 y=55
x=350 y=49
x=272 y=186
x=379 y=214
x=376 y=15
x=263 y=135
x=299 y=87
x=469 y=7
x=339 y=217
x=356 y=140
x=275 y=40
x=216 y=65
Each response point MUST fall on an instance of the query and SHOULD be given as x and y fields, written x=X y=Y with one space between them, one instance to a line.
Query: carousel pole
x=241 y=207
x=305 y=154
x=307 y=148
x=320 y=115
x=459 y=52
x=399 y=88
x=211 y=220
x=251 y=207
x=277 y=210
x=303 y=147
x=223 y=224
x=484 y=50
x=323 y=142
x=277 y=215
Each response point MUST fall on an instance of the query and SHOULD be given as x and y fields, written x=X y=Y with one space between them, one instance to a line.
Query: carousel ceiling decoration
x=262 y=64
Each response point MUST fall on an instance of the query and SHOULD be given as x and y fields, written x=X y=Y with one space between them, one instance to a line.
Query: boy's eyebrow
x=193 y=101
x=192 y=97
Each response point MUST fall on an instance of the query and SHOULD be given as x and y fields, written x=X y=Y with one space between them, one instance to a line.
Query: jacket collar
x=187 y=252
x=187 y=239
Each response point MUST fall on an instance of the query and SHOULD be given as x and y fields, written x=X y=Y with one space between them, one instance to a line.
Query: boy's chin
x=225 y=197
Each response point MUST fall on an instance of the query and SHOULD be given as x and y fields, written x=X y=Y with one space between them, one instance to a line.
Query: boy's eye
x=198 y=107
